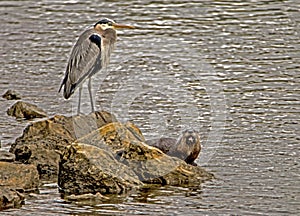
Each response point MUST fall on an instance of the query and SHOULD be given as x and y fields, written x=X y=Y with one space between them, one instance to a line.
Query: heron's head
x=107 y=23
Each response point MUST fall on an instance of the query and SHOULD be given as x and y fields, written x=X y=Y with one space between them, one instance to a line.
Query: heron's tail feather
x=68 y=89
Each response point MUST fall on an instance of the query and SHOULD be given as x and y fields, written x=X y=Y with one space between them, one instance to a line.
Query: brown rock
x=10 y=198
x=129 y=147
x=184 y=174
x=11 y=95
x=115 y=158
x=88 y=169
x=92 y=153
x=21 y=177
x=26 y=110
x=43 y=141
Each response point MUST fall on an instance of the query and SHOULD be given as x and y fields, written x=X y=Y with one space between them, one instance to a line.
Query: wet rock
x=6 y=156
x=26 y=110
x=86 y=197
x=10 y=198
x=183 y=174
x=21 y=177
x=115 y=158
x=93 y=153
x=11 y=95
x=43 y=141
x=88 y=169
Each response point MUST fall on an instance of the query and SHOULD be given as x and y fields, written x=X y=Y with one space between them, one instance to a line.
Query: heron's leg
x=79 y=100
x=90 y=92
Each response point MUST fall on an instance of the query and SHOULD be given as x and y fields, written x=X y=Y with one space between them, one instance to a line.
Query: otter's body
x=187 y=147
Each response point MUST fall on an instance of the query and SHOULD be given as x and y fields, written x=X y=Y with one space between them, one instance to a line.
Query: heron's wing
x=84 y=61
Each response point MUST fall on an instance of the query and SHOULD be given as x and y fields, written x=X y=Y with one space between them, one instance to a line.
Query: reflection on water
x=230 y=69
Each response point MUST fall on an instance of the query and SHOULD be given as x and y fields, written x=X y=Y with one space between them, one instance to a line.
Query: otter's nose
x=190 y=140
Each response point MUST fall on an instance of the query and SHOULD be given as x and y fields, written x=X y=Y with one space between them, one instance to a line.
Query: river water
x=230 y=69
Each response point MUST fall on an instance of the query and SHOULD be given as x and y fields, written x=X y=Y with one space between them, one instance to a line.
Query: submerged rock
x=10 y=198
x=86 y=197
x=26 y=110
x=43 y=141
x=11 y=95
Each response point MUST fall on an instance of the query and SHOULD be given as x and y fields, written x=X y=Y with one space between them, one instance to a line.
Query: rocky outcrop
x=43 y=141
x=26 y=110
x=11 y=95
x=93 y=154
x=115 y=158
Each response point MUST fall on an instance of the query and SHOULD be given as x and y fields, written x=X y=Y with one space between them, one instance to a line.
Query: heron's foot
x=80 y=113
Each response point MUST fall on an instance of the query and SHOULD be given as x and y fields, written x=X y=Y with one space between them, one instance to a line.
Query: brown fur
x=187 y=147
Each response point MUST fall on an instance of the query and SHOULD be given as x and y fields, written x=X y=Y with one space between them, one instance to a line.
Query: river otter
x=187 y=147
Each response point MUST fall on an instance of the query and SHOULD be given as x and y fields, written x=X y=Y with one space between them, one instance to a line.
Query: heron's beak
x=118 y=26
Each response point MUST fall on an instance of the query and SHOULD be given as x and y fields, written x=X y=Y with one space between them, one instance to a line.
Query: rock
x=21 y=177
x=11 y=95
x=43 y=141
x=88 y=169
x=187 y=147
x=86 y=197
x=115 y=158
x=184 y=174
x=10 y=198
x=45 y=160
x=25 y=110
x=93 y=153
x=6 y=156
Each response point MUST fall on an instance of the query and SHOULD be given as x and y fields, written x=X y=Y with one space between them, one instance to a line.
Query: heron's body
x=89 y=55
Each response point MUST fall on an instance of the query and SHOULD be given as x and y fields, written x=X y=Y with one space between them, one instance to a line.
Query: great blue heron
x=89 y=55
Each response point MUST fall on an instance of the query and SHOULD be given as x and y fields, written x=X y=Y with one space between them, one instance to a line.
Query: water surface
x=229 y=69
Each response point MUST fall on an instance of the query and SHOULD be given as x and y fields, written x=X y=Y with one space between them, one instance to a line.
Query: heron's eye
x=109 y=23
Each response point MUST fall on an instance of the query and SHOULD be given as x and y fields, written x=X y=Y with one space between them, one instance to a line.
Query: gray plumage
x=89 y=55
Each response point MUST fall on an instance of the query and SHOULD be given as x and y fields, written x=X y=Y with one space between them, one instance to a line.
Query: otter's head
x=191 y=137
x=187 y=147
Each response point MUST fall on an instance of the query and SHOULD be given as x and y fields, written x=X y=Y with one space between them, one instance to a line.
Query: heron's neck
x=109 y=37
